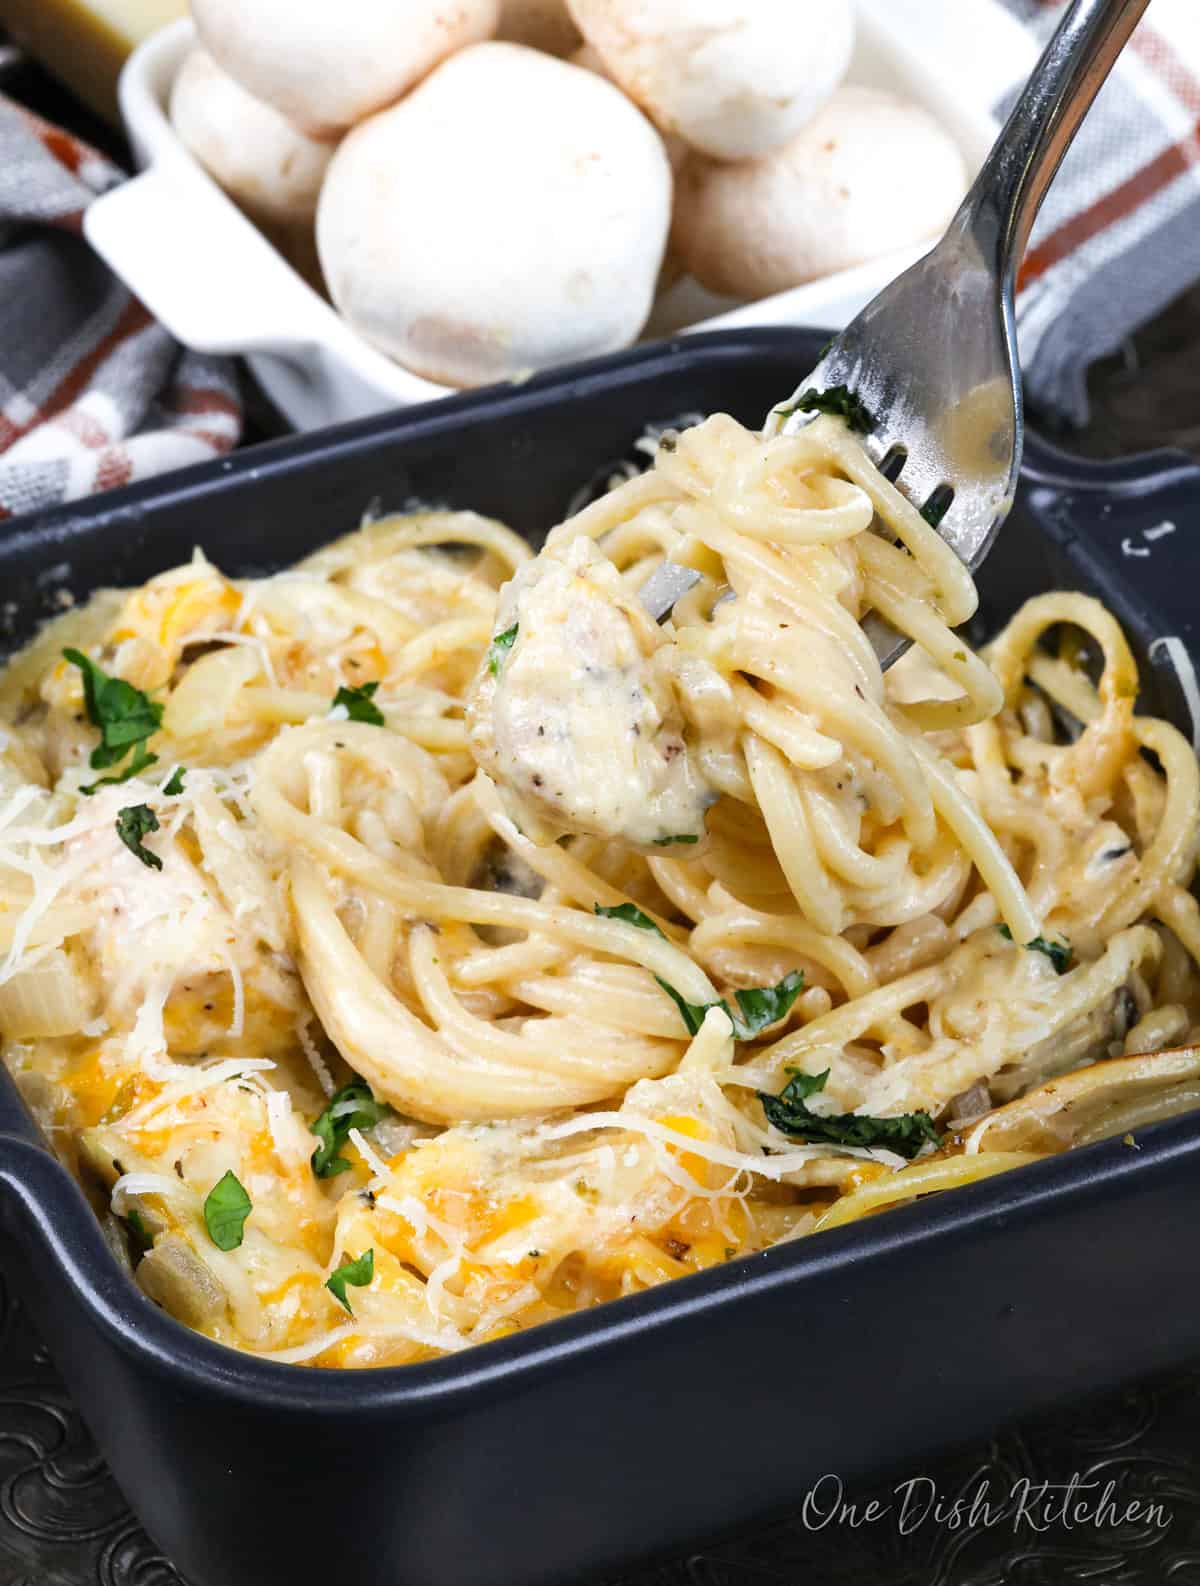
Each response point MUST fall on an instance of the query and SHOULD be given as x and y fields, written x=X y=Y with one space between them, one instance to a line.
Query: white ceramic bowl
x=218 y=285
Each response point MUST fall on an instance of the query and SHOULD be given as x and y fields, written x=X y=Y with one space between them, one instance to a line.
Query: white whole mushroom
x=869 y=174
x=261 y=160
x=733 y=78
x=326 y=66
x=511 y=213
x=677 y=152
x=591 y=61
x=541 y=24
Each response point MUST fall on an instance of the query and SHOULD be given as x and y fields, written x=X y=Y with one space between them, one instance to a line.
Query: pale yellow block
x=86 y=42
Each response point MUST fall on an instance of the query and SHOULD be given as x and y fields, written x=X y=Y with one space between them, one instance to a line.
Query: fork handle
x=1002 y=205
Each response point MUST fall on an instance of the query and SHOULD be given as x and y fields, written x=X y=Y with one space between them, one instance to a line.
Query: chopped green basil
x=630 y=914
x=692 y=1013
x=141 y=762
x=225 y=1212
x=906 y=1134
x=766 y=1005
x=501 y=645
x=353 y=1107
x=359 y=703
x=124 y=715
x=175 y=786
x=838 y=400
x=1059 y=953
x=667 y=842
x=757 y=1007
x=359 y=1273
x=133 y=823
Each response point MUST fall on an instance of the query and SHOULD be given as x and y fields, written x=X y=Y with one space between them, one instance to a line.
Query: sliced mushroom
x=1108 y=1098
x=1088 y=1039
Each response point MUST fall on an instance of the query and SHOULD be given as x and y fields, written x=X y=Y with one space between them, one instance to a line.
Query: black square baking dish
x=641 y=1426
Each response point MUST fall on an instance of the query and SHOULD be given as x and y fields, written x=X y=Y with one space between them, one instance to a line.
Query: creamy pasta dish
x=422 y=943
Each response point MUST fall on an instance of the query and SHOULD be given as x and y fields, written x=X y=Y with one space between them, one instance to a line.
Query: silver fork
x=932 y=361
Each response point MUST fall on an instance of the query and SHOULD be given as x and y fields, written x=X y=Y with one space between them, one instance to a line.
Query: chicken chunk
x=574 y=711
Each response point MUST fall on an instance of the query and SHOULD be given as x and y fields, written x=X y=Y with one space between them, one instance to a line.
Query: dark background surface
x=64 y=1523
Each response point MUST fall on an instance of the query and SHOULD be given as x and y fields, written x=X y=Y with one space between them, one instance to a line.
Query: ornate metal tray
x=1048 y=1505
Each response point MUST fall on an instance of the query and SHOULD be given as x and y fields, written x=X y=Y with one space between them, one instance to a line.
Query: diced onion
x=203 y=701
x=50 y=998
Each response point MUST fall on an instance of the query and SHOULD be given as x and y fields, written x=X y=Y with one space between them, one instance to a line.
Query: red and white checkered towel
x=1119 y=234
x=93 y=393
